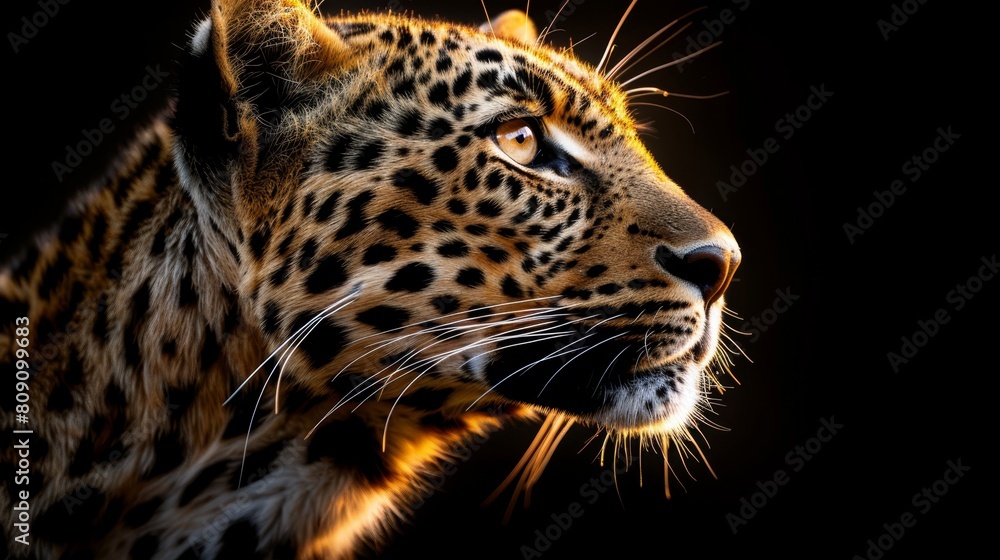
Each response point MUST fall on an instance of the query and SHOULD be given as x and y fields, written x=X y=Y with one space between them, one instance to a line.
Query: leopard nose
x=710 y=268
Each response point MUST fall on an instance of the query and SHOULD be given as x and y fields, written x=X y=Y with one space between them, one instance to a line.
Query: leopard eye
x=517 y=139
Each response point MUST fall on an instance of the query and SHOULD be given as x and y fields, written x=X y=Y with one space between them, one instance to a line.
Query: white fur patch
x=202 y=37
x=569 y=144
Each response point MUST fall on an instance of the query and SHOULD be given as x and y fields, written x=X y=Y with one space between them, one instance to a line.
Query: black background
x=824 y=357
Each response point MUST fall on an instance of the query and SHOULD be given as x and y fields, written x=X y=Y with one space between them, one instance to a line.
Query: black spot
x=453 y=249
x=186 y=294
x=413 y=277
x=495 y=254
x=335 y=154
x=426 y=398
x=404 y=88
x=477 y=229
x=272 y=321
x=257 y=465
x=350 y=444
x=471 y=277
x=328 y=206
x=422 y=188
x=489 y=55
x=258 y=242
x=573 y=293
x=443 y=226
x=60 y=399
x=83 y=458
x=445 y=304
x=596 y=270
x=514 y=187
x=487 y=80
x=409 y=123
x=144 y=547
x=74 y=368
x=439 y=128
x=141 y=212
x=159 y=243
x=438 y=94
x=445 y=159
x=552 y=232
x=462 y=83
x=488 y=208
x=70 y=230
x=53 y=275
x=280 y=274
x=330 y=273
x=210 y=350
x=457 y=206
x=140 y=514
x=376 y=109
x=637 y=284
x=384 y=317
x=396 y=220
x=98 y=229
x=427 y=38
x=307 y=204
x=368 y=154
x=284 y=549
x=287 y=241
x=378 y=253
x=511 y=287
x=62 y=524
x=471 y=180
x=307 y=253
x=239 y=541
x=478 y=311
x=130 y=335
x=169 y=452
x=609 y=289
x=493 y=180
x=356 y=214
x=323 y=344
x=405 y=38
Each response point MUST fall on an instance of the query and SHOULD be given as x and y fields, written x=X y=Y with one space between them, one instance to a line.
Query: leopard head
x=434 y=209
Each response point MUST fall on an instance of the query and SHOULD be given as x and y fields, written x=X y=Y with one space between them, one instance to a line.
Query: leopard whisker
x=607 y=369
x=287 y=355
x=672 y=110
x=620 y=68
x=607 y=51
x=531 y=365
x=636 y=93
x=671 y=63
x=548 y=28
x=353 y=294
x=609 y=339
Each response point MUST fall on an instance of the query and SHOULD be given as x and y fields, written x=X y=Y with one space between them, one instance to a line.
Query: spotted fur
x=321 y=271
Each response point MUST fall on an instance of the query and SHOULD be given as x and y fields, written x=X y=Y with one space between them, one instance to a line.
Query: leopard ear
x=249 y=63
x=513 y=25
x=264 y=49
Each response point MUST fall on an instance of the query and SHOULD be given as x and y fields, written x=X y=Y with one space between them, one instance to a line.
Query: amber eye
x=518 y=140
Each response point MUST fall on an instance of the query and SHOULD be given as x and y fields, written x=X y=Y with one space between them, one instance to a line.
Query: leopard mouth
x=611 y=379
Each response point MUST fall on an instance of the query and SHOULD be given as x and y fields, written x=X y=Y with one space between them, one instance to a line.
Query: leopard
x=348 y=245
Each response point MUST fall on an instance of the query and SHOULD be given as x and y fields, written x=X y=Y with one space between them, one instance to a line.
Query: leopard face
x=428 y=207
x=347 y=247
